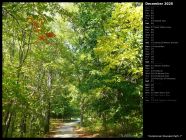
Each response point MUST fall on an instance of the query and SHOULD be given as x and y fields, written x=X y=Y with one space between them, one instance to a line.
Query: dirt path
x=66 y=130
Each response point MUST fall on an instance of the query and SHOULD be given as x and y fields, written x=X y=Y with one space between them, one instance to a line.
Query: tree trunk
x=47 y=121
x=81 y=114
x=30 y=127
x=6 y=119
x=13 y=123
x=23 y=126
x=104 y=124
x=7 y=125
x=47 y=117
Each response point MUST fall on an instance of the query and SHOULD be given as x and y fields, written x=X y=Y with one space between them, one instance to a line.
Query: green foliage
x=114 y=78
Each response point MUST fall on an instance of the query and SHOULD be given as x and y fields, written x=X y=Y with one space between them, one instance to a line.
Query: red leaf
x=50 y=34
x=42 y=37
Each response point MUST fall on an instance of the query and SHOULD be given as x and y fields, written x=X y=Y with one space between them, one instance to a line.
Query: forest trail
x=66 y=130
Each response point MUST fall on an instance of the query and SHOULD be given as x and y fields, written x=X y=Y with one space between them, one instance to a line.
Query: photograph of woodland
x=72 y=69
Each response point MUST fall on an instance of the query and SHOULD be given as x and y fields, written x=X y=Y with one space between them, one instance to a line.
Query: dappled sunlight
x=65 y=129
x=83 y=134
x=65 y=136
